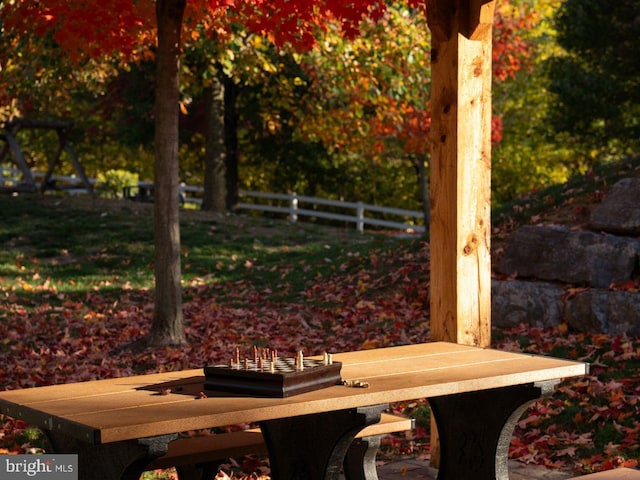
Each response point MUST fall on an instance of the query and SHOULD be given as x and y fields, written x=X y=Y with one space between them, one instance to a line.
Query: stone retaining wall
x=575 y=276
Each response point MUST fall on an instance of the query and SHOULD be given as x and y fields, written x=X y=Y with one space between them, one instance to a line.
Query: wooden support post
x=460 y=226
x=461 y=170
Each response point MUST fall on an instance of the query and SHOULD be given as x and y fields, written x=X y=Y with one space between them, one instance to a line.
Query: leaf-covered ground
x=589 y=424
x=49 y=335
x=52 y=336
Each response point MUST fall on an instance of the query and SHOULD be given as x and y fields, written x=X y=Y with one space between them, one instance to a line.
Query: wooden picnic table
x=117 y=426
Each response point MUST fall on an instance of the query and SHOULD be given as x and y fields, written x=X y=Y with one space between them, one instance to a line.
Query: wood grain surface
x=117 y=409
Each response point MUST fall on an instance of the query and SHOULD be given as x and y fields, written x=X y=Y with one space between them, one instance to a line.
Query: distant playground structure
x=10 y=145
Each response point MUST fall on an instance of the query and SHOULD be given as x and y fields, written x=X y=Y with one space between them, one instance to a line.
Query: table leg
x=475 y=429
x=313 y=447
x=360 y=460
x=112 y=461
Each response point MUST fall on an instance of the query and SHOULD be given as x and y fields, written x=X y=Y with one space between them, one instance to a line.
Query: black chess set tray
x=282 y=379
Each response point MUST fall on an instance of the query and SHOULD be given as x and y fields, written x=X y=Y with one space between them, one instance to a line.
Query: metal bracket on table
x=111 y=461
x=313 y=447
x=475 y=429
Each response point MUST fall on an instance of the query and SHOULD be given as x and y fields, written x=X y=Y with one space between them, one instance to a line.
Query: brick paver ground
x=420 y=470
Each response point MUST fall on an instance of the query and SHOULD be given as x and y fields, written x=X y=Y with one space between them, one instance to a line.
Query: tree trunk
x=231 y=140
x=214 y=197
x=420 y=160
x=167 y=327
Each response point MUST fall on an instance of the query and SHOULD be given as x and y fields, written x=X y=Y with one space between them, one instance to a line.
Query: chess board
x=282 y=377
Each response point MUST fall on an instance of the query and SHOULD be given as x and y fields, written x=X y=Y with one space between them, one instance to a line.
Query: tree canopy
x=94 y=29
x=596 y=80
x=302 y=110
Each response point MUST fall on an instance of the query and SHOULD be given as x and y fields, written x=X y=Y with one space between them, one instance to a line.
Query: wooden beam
x=478 y=19
x=461 y=170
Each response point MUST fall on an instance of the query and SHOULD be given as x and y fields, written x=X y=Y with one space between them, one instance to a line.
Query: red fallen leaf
x=253 y=464
x=569 y=451
x=630 y=285
x=528 y=420
x=370 y=344
x=572 y=292
x=616 y=397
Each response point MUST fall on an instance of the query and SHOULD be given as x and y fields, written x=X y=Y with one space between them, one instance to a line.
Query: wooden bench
x=615 y=474
x=200 y=457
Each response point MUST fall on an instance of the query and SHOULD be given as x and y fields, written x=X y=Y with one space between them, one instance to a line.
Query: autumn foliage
x=83 y=29
x=126 y=29
x=93 y=29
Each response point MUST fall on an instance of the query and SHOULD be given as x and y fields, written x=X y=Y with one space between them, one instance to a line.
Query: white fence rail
x=294 y=206
x=290 y=205
x=353 y=212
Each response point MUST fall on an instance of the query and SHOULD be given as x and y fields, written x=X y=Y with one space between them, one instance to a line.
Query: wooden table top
x=127 y=408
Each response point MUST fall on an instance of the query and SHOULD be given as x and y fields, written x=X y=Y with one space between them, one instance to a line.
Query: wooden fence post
x=360 y=217
x=293 y=207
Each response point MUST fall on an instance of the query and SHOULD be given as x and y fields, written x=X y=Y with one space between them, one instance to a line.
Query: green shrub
x=112 y=182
